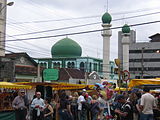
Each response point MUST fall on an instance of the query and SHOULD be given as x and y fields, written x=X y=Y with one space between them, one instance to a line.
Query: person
x=102 y=106
x=38 y=107
x=116 y=107
x=138 y=104
x=64 y=108
x=147 y=104
x=126 y=111
x=74 y=106
x=133 y=100
x=82 y=113
x=48 y=110
x=94 y=108
x=19 y=105
x=53 y=104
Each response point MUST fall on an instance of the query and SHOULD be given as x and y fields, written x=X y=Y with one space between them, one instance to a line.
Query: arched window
x=90 y=67
x=82 y=66
x=68 y=65
x=58 y=64
x=95 y=67
x=101 y=66
x=112 y=70
x=41 y=64
x=54 y=65
x=45 y=65
x=73 y=65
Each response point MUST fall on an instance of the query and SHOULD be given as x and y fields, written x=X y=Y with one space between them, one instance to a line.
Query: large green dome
x=106 y=18
x=126 y=29
x=66 y=48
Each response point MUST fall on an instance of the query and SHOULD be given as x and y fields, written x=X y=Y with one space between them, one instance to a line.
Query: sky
x=42 y=18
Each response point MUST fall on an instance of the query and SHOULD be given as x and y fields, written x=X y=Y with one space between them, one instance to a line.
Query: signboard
x=125 y=75
x=50 y=74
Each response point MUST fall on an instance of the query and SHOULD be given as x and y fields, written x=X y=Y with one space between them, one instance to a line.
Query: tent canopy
x=58 y=85
x=139 y=82
x=9 y=85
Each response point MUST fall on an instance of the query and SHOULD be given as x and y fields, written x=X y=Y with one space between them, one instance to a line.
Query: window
x=68 y=65
x=58 y=64
x=72 y=65
x=95 y=66
x=112 y=71
x=90 y=67
x=82 y=66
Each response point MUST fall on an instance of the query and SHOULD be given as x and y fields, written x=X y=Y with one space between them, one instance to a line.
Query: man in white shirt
x=81 y=101
x=38 y=106
x=147 y=104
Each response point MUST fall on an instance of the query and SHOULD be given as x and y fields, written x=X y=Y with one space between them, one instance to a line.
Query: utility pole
x=142 y=63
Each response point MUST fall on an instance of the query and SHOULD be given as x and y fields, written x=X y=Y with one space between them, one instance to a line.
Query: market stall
x=8 y=91
x=57 y=85
x=140 y=82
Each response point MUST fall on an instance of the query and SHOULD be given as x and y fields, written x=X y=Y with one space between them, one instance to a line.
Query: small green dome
x=126 y=29
x=66 y=48
x=106 y=18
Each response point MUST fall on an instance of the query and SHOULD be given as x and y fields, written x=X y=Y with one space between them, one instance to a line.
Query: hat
x=119 y=97
x=21 y=91
x=38 y=93
x=84 y=90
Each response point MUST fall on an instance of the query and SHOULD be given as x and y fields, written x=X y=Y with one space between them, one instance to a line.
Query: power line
x=83 y=32
x=84 y=17
x=83 y=25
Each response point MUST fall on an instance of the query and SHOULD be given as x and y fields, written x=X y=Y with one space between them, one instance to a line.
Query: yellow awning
x=121 y=89
x=68 y=86
x=9 y=85
x=58 y=85
x=138 y=82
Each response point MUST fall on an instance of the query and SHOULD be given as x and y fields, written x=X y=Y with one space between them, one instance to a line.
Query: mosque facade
x=66 y=53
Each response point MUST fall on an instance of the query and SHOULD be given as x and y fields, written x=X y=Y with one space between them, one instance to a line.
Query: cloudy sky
x=42 y=18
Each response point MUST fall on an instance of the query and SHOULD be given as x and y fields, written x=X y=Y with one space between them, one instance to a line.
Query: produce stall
x=8 y=91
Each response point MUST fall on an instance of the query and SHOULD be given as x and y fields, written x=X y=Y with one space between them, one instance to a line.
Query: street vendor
x=20 y=106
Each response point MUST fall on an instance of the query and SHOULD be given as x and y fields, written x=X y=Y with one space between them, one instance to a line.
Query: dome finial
x=126 y=29
x=106 y=18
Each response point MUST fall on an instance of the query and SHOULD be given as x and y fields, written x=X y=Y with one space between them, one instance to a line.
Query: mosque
x=66 y=53
x=66 y=61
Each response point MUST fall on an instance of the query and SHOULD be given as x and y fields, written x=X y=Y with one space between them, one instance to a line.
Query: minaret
x=2 y=26
x=106 y=34
x=125 y=46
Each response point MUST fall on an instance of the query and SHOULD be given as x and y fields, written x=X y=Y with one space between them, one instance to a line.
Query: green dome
x=106 y=18
x=126 y=29
x=66 y=48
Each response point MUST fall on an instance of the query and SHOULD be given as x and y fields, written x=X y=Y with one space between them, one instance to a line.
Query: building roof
x=155 y=38
x=17 y=55
x=66 y=48
x=67 y=73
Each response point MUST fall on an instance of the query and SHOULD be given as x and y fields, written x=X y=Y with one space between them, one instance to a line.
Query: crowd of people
x=133 y=105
